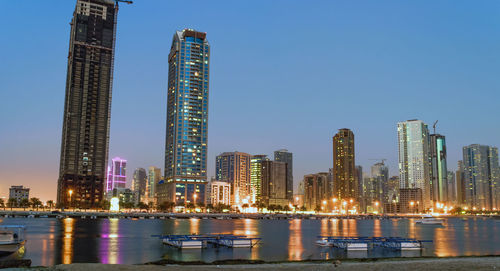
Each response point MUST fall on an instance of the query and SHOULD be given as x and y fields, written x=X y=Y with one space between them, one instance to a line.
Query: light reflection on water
x=54 y=241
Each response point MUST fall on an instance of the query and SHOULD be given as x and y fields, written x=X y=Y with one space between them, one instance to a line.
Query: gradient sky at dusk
x=284 y=74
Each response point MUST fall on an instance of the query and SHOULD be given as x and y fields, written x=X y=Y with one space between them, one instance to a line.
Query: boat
x=11 y=239
x=429 y=220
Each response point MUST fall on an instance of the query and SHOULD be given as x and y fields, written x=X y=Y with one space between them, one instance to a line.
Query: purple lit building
x=116 y=177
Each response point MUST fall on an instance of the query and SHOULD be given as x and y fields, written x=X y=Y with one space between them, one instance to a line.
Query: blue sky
x=284 y=74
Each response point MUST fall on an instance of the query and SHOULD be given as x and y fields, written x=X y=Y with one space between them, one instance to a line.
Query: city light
x=114 y=204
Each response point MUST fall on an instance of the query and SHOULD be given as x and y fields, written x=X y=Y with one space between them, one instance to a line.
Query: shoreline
x=489 y=262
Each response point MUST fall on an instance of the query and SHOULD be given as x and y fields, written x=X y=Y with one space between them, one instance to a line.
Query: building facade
x=154 y=177
x=220 y=193
x=234 y=168
x=139 y=184
x=460 y=184
x=439 y=170
x=480 y=174
x=256 y=176
x=414 y=158
x=19 y=192
x=274 y=183
x=410 y=200
x=116 y=177
x=344 y=171
x=380 y=183
x=187 y=117
x=87 y=106
x=316 y=191
x=287 y=157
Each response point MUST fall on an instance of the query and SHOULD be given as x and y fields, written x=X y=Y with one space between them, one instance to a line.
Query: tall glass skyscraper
x=117 y=177
x=256 y=176
x=287 y=157
x=87 y=106
x=414 y=158
x=187 y=117
x=439 y=170
x=481 y=176
x=344 y=171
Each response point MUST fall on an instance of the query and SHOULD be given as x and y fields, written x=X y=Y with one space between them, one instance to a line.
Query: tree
x=50 y=203
x=303 y=208
x=2 y=204
x=245 y=205
x=105 y=204
x=286 y=208
x=142 y=206
x=210 y=207
x=166 y=206
x=12 y=202
x=151 y=205
x=24 y=203
x=35 y=203
x=317 y=209
x=190 y=206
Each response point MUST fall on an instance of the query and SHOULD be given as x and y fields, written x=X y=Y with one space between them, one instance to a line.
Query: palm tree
x=24 y=203
x=35 y=203
x=2 y=204
x=151 y=205
x=50 y=203
x=12 y=202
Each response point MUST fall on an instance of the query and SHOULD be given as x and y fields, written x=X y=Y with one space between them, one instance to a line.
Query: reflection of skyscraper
x=187 y=117
x=117 y=177
x=287 y=157
x=439 y=180
x=234 y=168
x=344 y=165
x=85 y=133
x=414 y=158
x=256 y=176
x=481 y=176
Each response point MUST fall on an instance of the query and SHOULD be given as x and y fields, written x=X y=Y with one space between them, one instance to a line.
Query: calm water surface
x=54 y=241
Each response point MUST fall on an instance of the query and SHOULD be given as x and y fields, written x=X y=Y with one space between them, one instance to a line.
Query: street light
x=70 y=192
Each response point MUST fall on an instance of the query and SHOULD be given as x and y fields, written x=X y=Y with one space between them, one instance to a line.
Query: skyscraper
x=187 y=117
x=380 y=183
x=460 y=183
x=316 y=191
x=85 y=132
x=414 y=158
x=344 y=171
x=439 y=171
x=287 y=157
x=274 y=183
x=234 y=168
x=154 y=177
x=480 y=176
x=117 y=177
x=139 y=183
x=256 y=176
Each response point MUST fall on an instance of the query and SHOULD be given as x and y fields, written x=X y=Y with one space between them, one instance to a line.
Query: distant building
x=452 y=188
x=117 y=177
x=460 y=184
x=154 y=177
x=220 y=193
x=346 y=187
x=234 y=168
x=87 y=106
x=410 y=200
x=18 y=192
x=359 y=181
x=274 y=183
x=481 y=176
x=439 y=170
x=125 y=195
x=380 y=179
x=256 y=176
x=140 y=183
x=414 y=158
x=316 y=191
x=187 y=117
x=287 y=157
x=393 y=189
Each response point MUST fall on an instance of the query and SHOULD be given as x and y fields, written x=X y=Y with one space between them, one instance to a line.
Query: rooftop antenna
x=434 y=126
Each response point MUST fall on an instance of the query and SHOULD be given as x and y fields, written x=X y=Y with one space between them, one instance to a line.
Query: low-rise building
x=220 y=193
x=18 y=192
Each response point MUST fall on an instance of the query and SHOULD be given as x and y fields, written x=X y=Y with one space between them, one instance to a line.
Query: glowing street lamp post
x=70 y=192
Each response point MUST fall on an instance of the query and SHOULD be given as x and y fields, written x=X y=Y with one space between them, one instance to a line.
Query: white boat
x=11 y=239
x=429 y=220
x=323 y=243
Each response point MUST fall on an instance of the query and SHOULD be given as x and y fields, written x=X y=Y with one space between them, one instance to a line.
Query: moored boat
x=429 y=220
x=11 y=238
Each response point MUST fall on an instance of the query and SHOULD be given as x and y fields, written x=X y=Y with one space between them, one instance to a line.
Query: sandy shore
x=465 y=263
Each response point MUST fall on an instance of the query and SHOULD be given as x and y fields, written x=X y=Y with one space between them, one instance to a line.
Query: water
x=54 y=241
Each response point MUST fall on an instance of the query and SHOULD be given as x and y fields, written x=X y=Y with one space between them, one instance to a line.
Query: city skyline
x=222 y=138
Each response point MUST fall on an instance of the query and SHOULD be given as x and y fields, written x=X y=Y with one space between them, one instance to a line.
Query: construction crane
x=434 y=126
x=123 y=1
x=379 y=159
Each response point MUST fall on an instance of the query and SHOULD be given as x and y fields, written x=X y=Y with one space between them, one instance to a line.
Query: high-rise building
x=439 y=171
x=87 y=106
x=393 y=189
x=452 y=188
x=414 y=158
x=256 y=176
x=154 y=177
x=220 y=193
x=316 y=191
x=187 y=117
x=481 y=176
x=344 y=172
x=287 y=157
x=359 y=181
x=234 y=168
x=274 y=183
x=380 y=180
x=139 y=183
x=460 y=184
x=117 y=175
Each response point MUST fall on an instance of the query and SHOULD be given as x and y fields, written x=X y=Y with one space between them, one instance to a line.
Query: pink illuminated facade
x=116 y=177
